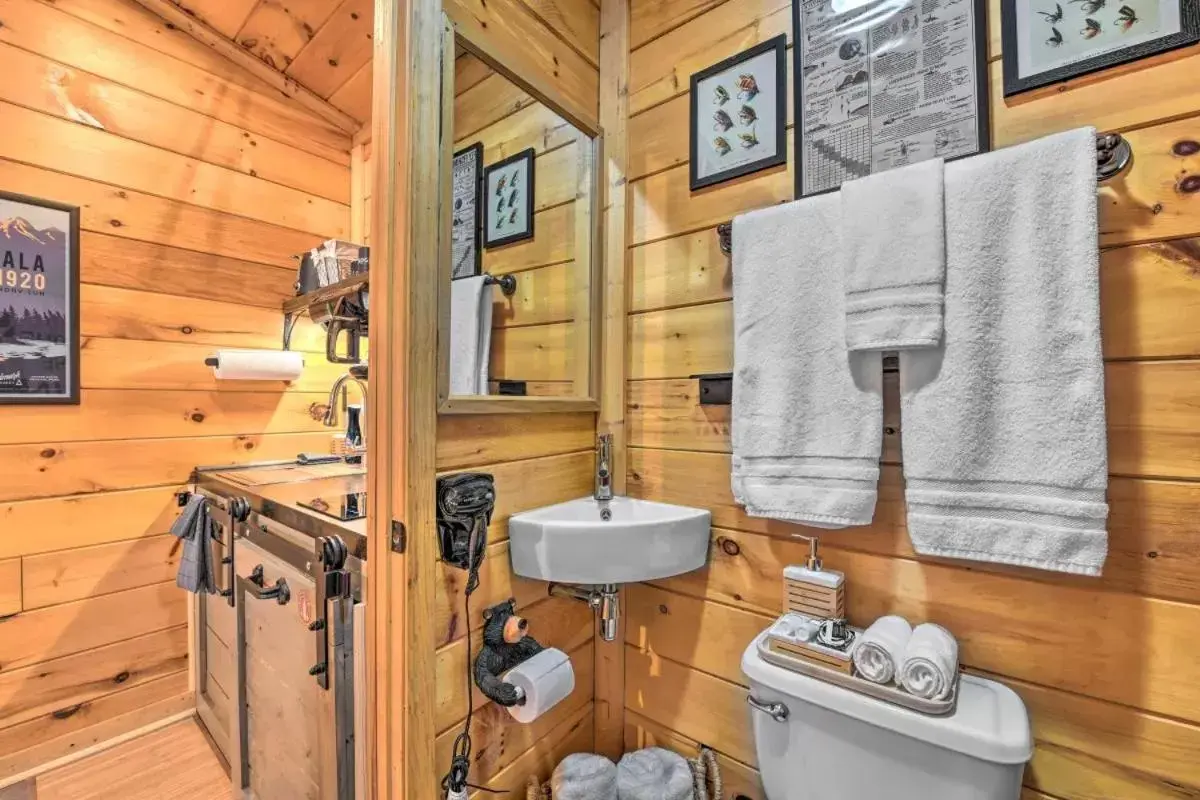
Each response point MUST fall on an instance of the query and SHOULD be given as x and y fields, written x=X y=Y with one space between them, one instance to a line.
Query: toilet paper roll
x=256 y=365
x=546 y=679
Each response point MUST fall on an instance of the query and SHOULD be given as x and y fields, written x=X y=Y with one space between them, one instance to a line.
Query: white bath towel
x=1005 y=449
x=807 y=416
x=881 y=649
x=654 y=774
x=930 y=664
x=470 y=335
x=894 y=257
x=584 y=776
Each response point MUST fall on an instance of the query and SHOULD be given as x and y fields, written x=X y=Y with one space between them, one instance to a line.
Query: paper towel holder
x=214 y=362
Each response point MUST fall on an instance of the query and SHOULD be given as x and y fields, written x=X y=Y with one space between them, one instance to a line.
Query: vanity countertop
x=277 y=491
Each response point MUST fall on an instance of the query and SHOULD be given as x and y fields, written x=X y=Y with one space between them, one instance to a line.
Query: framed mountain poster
x=39 y=301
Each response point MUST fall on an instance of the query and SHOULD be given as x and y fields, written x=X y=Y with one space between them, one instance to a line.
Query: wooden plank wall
x=1106 y=666
x=536 y=460
x=196 y=183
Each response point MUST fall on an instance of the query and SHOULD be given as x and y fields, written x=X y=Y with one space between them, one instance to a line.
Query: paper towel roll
x=546 y=679
x=256 y=365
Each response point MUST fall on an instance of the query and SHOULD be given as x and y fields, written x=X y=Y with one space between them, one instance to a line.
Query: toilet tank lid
x=990 y=722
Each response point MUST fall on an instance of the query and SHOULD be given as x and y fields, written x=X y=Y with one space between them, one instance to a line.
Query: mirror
x=519 y=298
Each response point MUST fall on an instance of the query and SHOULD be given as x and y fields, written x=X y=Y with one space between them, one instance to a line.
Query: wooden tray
x=889 y=694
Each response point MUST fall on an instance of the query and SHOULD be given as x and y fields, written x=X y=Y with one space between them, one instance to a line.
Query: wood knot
x=116 y=223
x=1185 y=148
x=333 y=62
x=889 y=430
x=1156 y=209
x=68 y=712
x=121 y=677
x=196 y=416
x=730 y=547
x=353 y=15
x=1190 y=184
x=662 y=608
x=1152 y=554
x=250 y=43
x=186 y=330
x=49 y=452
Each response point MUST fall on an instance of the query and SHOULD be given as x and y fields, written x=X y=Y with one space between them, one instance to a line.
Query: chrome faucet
x=604 y=490
x=339 y=387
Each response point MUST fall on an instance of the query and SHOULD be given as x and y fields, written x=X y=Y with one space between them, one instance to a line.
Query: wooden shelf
x=301 y=303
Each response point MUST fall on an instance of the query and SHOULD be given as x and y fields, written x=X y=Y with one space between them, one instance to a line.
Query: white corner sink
x=643 y=541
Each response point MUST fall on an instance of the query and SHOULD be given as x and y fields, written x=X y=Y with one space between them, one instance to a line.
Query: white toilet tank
x=836 y=744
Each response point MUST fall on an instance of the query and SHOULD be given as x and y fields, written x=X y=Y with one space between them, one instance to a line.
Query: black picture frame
x=778 y=44
x=9 y=255
x=1189 y=18
x=525 y=233
x=983 y=130
x=475 y=150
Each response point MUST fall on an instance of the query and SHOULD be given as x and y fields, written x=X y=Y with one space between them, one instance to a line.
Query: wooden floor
x=175 y=762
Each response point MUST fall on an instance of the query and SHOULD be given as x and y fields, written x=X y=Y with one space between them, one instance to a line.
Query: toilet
x=817 y=741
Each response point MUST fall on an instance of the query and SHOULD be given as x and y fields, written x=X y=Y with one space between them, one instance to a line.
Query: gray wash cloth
x=195 y=529
x=1005 y=443
x=654 y=774
x=584 y=776
x=807 y=415
x=894 y=257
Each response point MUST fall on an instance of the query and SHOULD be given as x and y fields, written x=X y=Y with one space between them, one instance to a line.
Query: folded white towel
x=584 y=776
x=653 y=774
x=1005 y=444
x=470 y=335
x=807 y=416
x=894 y=257
x=881 y=649
x=930 y=664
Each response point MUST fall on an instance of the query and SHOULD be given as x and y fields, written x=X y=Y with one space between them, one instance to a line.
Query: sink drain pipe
x=605 y=600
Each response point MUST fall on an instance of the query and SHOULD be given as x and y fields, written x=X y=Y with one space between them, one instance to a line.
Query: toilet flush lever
x=776 y=711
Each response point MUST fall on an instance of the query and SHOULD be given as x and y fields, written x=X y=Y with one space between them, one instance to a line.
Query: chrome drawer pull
x=776 y=711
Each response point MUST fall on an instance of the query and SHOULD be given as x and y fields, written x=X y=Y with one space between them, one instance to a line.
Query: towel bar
x=1113 y=156
x=507 y=283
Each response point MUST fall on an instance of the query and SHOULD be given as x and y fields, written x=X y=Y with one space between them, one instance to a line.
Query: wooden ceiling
x=324 y=45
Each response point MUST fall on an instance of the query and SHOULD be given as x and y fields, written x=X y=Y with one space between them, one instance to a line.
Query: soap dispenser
x=812 y=590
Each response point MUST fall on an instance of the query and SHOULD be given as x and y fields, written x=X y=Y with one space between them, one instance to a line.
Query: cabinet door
x=285 y=713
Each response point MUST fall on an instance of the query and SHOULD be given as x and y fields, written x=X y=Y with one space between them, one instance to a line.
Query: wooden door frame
x=403 y=399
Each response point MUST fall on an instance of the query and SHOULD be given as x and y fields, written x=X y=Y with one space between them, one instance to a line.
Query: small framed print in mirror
x=465 y=226
x=508 y=198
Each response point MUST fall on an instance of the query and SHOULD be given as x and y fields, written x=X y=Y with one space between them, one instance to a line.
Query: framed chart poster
x=39 y=301
x=884 y=83
x=466 y=196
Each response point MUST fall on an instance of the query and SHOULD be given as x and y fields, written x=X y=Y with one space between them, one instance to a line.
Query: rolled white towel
x=654 y=774
x=881 y=649
x=930 y=662
x=584 y=776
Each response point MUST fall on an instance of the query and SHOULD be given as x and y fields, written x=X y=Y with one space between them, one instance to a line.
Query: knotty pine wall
x=536 y=460
x=196 y=183
x=1107 y=667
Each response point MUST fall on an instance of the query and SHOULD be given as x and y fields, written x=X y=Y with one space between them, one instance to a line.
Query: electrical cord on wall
x=455 y=781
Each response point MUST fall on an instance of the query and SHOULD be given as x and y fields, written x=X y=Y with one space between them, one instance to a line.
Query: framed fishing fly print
x=508 y=199
x=1049 y=41
x=881 y=84
x=39 y=302
x=739 y=114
